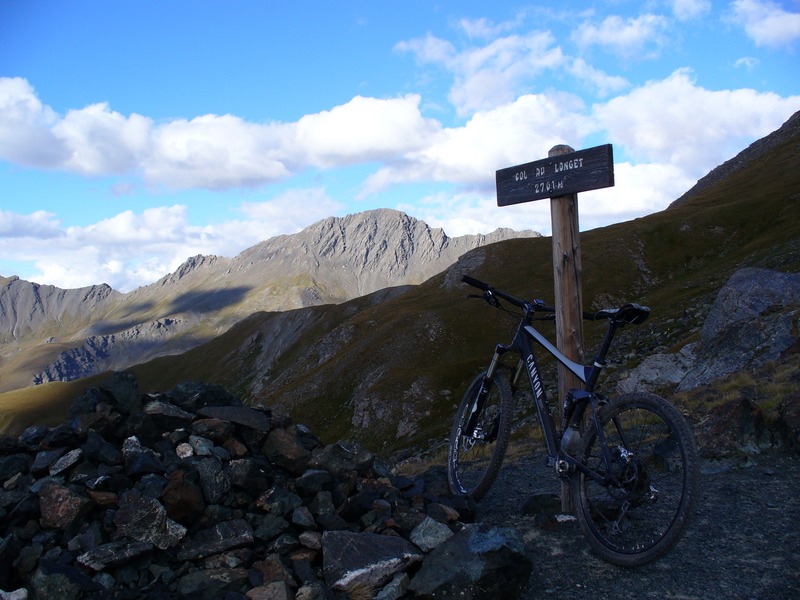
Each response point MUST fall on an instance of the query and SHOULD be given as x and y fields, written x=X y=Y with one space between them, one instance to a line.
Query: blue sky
x=134 y=135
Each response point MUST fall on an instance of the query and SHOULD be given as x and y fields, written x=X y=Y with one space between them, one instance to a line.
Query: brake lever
x=491 y=299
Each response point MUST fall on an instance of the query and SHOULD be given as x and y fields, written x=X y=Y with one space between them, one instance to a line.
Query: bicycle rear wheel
x=642 y=510
x=479 y=437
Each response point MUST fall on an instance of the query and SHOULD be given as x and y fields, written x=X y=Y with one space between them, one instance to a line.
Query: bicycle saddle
x=633 y=314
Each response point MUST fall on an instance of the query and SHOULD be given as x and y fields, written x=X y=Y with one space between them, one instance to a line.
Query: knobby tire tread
x=503 y=388
x=677 y=424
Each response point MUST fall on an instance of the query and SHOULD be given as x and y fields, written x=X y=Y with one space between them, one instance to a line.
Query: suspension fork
x=483 y=393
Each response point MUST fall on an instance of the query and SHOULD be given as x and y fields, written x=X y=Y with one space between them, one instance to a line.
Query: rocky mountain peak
x=331 y=261
x=191 y=265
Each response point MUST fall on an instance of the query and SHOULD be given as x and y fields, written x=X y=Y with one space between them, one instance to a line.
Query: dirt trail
x=743 y=543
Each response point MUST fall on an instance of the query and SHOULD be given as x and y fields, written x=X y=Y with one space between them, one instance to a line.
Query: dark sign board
x=571 y=173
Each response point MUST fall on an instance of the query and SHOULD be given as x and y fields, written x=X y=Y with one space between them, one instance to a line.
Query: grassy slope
x=403 y=355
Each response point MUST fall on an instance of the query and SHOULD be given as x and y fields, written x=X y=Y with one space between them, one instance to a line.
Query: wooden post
x=568 y=293
x=560 y=179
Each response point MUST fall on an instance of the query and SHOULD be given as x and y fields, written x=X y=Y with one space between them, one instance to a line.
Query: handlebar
x=489 y=292
x=628 y=313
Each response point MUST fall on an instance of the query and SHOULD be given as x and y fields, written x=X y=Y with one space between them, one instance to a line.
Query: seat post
x=600 y=358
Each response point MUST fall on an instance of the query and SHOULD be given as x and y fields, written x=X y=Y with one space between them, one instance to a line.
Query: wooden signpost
x=557 y=175
x=560 y=177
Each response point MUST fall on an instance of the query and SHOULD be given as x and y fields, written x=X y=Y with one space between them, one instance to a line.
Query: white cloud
x=210 y=151
x=632 y=38
x=363 y=130
x=484 y=28
x=26 y=135
x=214 y=152
x=766 y=22
x=162 y=225
x=40 y=225
x=639 y=190
x=490 y=140
x=475 y=212
x=674 y=121
x=131 y=249
x=604 y=83
x=291 y=211
x=101 y=141
x=746 y=62
x=490 y=75
x=685 y=10
x=429 y=49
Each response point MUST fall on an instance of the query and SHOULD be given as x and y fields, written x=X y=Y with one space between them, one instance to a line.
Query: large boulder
x=753 y=321
x=479 y=562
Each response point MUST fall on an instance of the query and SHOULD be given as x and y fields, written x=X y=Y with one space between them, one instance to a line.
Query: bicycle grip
x=475 y=283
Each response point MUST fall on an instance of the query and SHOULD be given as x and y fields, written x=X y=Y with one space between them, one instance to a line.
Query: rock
x=249 y=475
x=313 y=481
x=214 y=429
x=479 y=563
x=272 y=569
x=239 y=415
x=54 y=580
x=430 y=534
x=753 y=320
x=279 y=501
x=139 y=459
x=16 y=463
x=277 y=590
x=167 y=415
x=133 y=517
x=285 y=450
x=211 y=584
x=395 y=589
x=66 y=461
x=98 y=450
x=125 y=390
x=219 y=538
x=60 y=506
x=364 y=559
x=192 y=396
x=214 y=481
x=114 y=554
x=659 y=370
x=342 y=457
x=183 y=499
x=789 y=410
x=145 y=520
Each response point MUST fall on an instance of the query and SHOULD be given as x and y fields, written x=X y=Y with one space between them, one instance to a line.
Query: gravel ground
x=744 y=540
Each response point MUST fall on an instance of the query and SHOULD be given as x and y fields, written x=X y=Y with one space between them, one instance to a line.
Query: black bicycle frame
x=577 y=399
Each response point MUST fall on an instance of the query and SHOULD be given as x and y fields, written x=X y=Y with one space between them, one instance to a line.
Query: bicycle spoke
x=649 y=487
x=479 y=438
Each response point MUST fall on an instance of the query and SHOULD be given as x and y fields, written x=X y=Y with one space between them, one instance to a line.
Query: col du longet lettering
x=568 y=174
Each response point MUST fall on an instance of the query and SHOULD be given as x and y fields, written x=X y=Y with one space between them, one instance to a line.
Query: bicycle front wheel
x=643 y=507
x=479 y=437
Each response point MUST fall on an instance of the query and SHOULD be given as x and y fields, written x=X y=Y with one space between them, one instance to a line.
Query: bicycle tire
x=474 y=457
x=655 y=462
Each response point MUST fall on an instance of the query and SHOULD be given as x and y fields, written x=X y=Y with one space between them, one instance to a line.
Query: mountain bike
x=632 y=471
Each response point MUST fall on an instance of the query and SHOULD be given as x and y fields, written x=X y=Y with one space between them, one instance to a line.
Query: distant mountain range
x=51 y=334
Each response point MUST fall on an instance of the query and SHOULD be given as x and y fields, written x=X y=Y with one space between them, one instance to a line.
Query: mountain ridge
x=75 y=333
